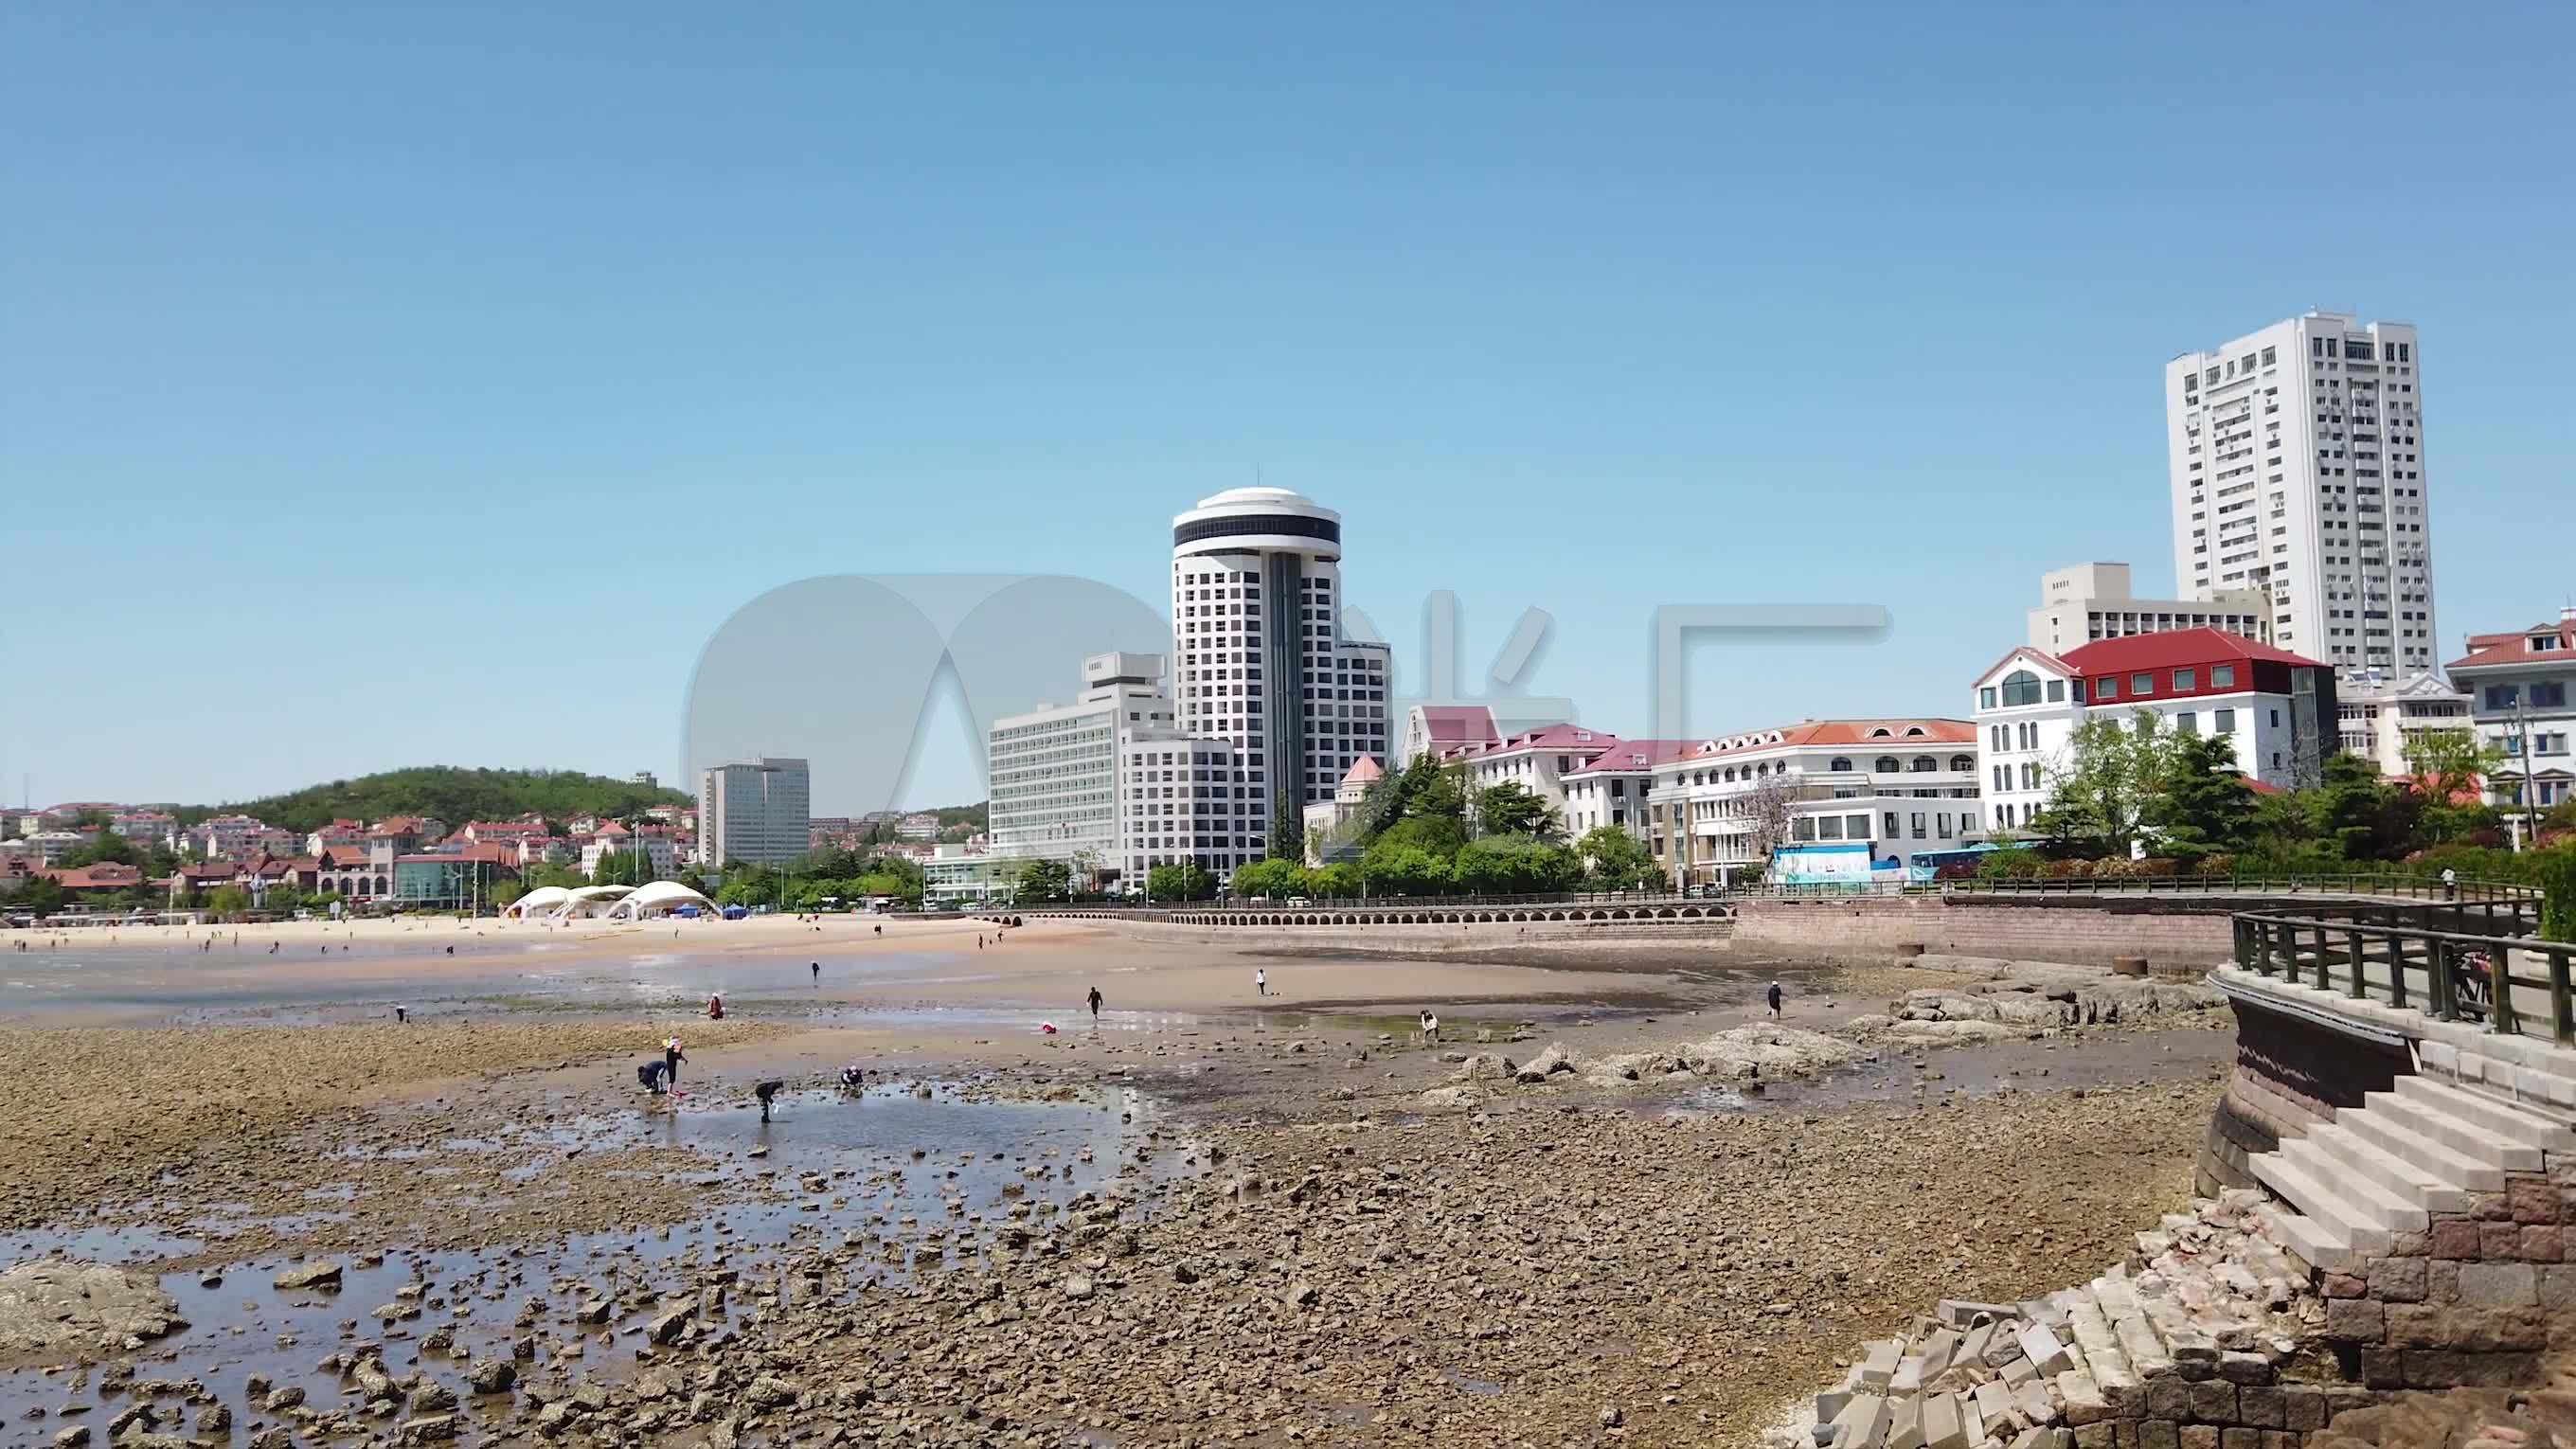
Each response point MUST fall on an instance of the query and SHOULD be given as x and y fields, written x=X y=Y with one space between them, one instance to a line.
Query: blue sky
x=389 y=385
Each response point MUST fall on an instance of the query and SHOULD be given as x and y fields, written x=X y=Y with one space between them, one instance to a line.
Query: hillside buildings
x=2519 y=684
x=755 y=811
x=2296 y=462
x=2278 y=708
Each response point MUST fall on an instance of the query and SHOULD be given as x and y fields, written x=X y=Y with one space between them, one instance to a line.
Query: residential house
x=2519 y=684
x=1854 y=800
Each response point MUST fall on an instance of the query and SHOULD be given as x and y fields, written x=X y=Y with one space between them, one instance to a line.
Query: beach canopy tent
x=537 y=904
x=661 y=898
x=594 y=900
x=736 y=913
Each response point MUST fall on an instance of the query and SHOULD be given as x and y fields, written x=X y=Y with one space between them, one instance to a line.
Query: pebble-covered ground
x=1199 y=1237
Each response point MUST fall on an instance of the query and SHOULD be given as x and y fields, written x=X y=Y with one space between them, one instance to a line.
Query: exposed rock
x=54 y=1304
x=322 y=1273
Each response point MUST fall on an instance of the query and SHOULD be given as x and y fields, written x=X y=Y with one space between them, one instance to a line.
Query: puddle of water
x=908 y=1183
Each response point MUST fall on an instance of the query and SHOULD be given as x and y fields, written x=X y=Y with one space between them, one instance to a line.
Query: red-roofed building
x=2276 y=707
x=1325 y=818
x=96 y=879
x=1611 y=788
x=1537 y=760
x=1875 y=793
x=1437 y=729
x=2519 y=686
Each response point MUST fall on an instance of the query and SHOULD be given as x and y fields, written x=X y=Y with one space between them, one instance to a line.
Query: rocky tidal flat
x=1196 y=1237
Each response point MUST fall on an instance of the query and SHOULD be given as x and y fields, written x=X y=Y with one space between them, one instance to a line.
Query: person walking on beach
x=817 y=968
x=1431 y=1027
x=1095 y=1006
x=1774 y=996
x=402 y=1014
x=1260 y=981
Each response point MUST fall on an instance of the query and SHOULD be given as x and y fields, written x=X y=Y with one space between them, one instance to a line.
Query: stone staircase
x=2383 y=1169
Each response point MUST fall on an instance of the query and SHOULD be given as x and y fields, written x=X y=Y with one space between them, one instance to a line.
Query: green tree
x=1274 y=878
x=2360 y=816
x=90 y=820
x=622 y=867
x=2204 y=805
x=228 y=902
x=1514 y=865
x=504 y=892
x=104 y=847
x=1398 y=867
x=1614 y=860
x=2098 y=800
x=2446 y=763
x=1183 y=882
x=1041 y=879
x=39 y=897
x=1339 y=881
x=1512 y=808
x=2555 y=869
x=1287 y=831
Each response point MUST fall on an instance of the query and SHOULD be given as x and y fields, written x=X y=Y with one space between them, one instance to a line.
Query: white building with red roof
x=1537 y=760
x=2519 y=684
x=2278 y=708
x=1437 y=729
x=1325 y=818
x=1611 y=788
x=1888 y=789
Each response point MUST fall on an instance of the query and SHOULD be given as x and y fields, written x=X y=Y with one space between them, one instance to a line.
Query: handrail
x=2465 y=973
x=2389 y=883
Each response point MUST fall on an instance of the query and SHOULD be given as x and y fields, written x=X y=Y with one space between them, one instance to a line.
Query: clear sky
x=385 y=385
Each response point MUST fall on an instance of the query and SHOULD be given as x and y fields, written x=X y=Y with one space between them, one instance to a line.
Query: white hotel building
x=1054 y=771
x=1902 y=787
x=1267 y=709
x=758 y=811
x=2297 y=469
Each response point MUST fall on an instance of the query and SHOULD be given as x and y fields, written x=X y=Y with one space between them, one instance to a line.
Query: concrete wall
x=1470 y=937
x=2171 y=934
x=2292 y=1075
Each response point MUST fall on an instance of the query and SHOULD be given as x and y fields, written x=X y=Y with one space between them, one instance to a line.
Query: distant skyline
x=385 y=387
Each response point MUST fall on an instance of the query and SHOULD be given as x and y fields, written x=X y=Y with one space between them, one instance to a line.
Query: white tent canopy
x=660 y=898
x=536 y=904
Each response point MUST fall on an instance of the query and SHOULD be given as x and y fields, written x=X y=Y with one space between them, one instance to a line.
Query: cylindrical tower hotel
x=1259 y=660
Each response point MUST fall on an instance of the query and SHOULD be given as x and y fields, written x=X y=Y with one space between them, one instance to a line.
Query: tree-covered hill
x=451 y=794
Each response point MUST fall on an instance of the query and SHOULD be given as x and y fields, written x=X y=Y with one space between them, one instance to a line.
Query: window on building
x=1986 y=698
x=2141 y=684
x=2503 y=696
x=2105 y=689
x=2549 y=694
x=2187 y=722
x=2223 y=722
x=2057 y=691
x=2021 y=687
x=2222 y=676
x=1841 y=763
x=1888 y=822
x=1884 y=764
x=2185 y=680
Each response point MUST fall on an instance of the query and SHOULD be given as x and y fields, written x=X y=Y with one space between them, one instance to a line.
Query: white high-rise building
x=1260 y=664
x=758 y=812
x=2297 y=469
x=1053 y=771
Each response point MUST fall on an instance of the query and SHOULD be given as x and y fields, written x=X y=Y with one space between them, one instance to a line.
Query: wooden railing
x=2453 y=974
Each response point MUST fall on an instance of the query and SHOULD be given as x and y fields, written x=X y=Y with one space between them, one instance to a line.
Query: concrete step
x=2313 y=1241
x=2356 y=1225
x=2406 y=1144
x=2435 y=1121
x=2495 y=1114
x=2378 y=1204
x=2415 y=1183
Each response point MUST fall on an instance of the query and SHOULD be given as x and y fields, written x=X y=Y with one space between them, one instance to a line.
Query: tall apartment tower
x=758 y=812
x=1259 y=661
x=2297 y=468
